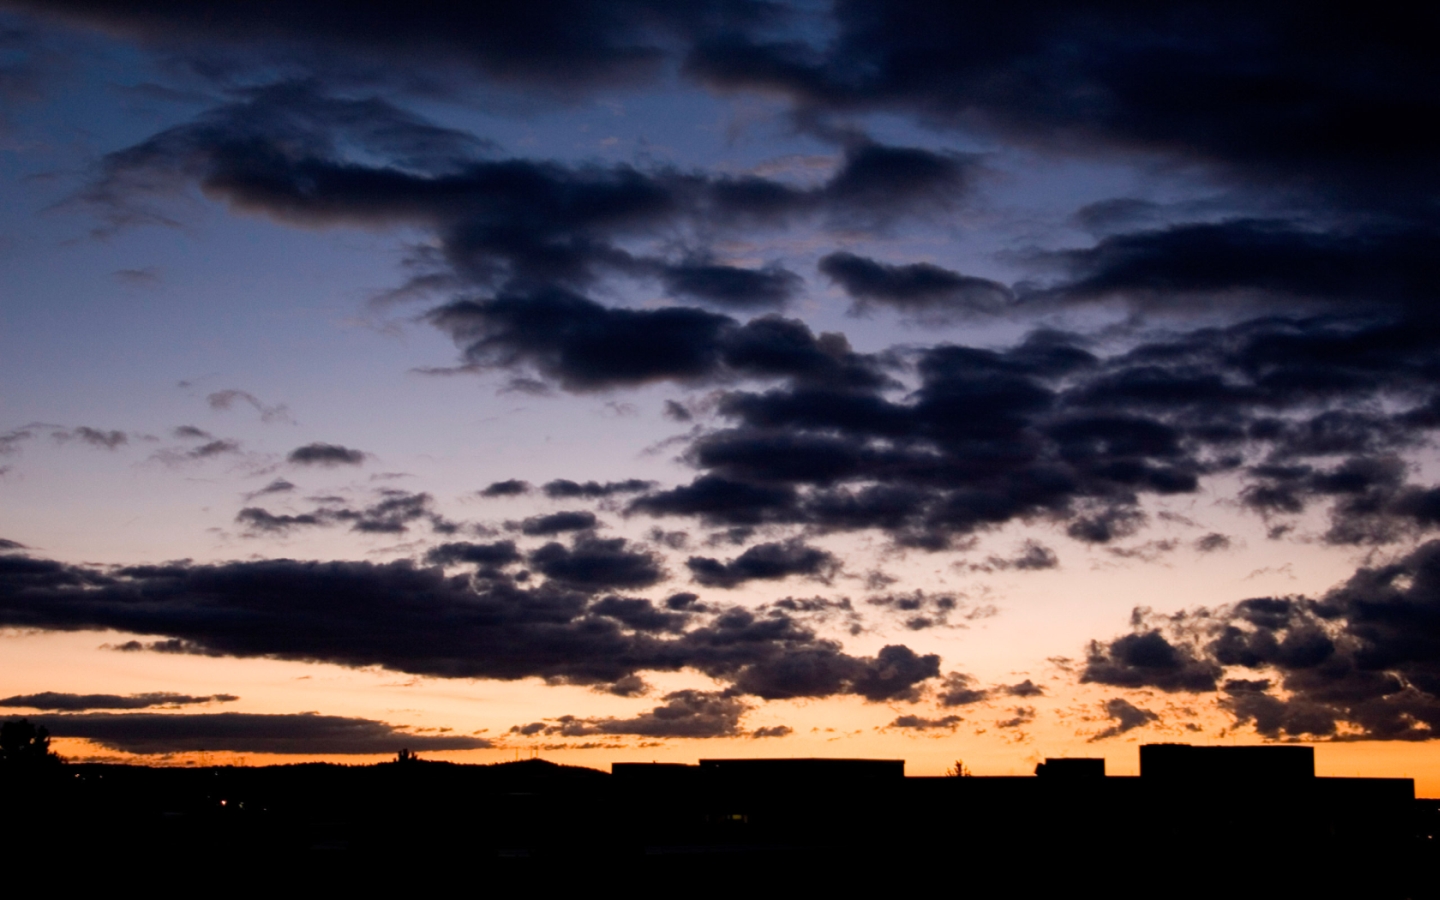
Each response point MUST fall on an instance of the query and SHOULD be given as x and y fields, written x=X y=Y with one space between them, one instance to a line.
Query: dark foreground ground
x=538 y=825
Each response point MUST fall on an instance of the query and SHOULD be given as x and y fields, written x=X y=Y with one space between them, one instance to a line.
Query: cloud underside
x=1314 y=397
x=423 y=621
x=1360 y=663
x=290 y=734
x=1311 y=401
x=62 y=702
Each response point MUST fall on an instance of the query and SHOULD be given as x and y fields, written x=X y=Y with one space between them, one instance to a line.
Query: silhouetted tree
x=405 y=756
x=25 y=746
x=959 y=770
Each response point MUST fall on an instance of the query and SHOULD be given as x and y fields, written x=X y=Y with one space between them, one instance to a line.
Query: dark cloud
x=920 y=723
x=1032 y=556
x=1146 y=659
x=1212 y=542
x=226 y=399
x=256 y=519
x=772 y=731
x=191 y=433
x=920 y=290
x=557 y=523
x=95 y=437
x=7 y=544
x=564 y=489
x=1362 y=662
x=499 y=553
x=895 y=673
x=684 y=714
x=527 y=227
x=588 y=347
x=874 y=182
x=1026 y=688
x=213 y=448
x=1249 y=259
x=1126 y=715
x=50 y=700
x=1178 y=80
x=597 y=563
x=329 y=455
x=421 y=621
x=959 y=689
x=303 y=733
x=512 y=488
x=733 y=287
x=563 y=49
x=921 y=610
x=1024 y=715
x=641 y=615
x=768 y=562
x=1047 y=430
x=393 y=513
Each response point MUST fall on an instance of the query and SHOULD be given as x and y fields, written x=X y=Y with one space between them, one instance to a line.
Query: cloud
x=1222 y=91
x=95 y=437
x=1360 y=663
x=921 y=290
x=499 y=553
x=526 y=226
x=1024 y=715
x=512 y=488
x=226 y=400
x=585 y=346
x=302 y=733
x=1212 y=542
x=1032 y=556
x=557 y=523
x=1146 y=659
x=593 y=562
x=920 y=723
x=684 y=714
x=768 y=562
x=772 y=731
x=7 y=544
x=921 y=610
x=1126 y=715
x=1026 y=688
x=393 y=513
x=138 y=278
x=327 y=455
x=564 y=489
x=958 y=689
x=421 y=621
x=732 y=287
x=1046 y=430
x=50 y=700
x=562 y=51
x=1244 y=259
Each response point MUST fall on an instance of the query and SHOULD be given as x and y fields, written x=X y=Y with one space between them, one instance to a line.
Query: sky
x=633 y=380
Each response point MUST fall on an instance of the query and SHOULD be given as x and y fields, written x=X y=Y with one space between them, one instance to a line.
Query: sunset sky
x=639 y=380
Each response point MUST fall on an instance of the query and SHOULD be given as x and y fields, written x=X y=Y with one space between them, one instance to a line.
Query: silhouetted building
x=834 y=771
x=1071 y=767
x=1281 y=830
x=1185 y=762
